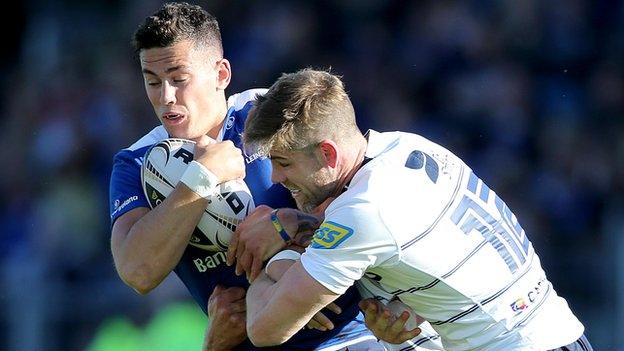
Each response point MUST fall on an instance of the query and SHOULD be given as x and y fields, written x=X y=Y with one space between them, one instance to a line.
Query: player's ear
x=224 y=74
x=329 y=152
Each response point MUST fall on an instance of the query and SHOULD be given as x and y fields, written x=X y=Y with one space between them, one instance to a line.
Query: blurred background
x=529 y=93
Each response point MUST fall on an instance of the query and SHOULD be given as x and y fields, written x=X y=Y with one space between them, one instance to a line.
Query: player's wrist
x=279 y=226
x=275 y=273
x=200 y=179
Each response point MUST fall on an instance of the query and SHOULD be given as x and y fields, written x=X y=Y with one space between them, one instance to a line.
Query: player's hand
x=223 y=159
x=384 y=324
x=254 y=241
x=320 y=322
x=227 y=309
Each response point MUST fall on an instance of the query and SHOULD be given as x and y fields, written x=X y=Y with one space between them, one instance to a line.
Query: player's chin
x=305 y=205
x=181 y=132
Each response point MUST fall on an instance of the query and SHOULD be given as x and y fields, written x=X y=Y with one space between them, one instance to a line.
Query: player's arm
x=278 y=310
x=226 y=311
x=146 y=244
x=257 y=238
x=279 y=264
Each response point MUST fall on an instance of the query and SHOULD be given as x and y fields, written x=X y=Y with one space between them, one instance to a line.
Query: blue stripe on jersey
x=202 y=270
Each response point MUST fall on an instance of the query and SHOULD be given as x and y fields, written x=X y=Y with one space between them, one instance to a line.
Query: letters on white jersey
x=420 y=225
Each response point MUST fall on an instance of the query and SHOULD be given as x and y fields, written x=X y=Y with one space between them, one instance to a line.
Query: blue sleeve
x=126 y=191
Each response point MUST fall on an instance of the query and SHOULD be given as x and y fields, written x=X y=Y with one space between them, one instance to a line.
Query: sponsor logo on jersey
x=210 y=261
x=537 y=292
x=519 y=305
x=250 y=158
x=330 y=235
x=119 y=207
x=229 y=123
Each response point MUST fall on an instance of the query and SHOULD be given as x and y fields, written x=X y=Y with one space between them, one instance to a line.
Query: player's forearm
x=272 y=317
x=156 y=242
x=258 y=297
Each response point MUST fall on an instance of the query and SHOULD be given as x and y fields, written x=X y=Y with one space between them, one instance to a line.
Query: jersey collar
x=228 y=121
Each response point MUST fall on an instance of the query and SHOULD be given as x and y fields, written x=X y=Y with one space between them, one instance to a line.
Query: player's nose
x=277 y=176
x=167 y=94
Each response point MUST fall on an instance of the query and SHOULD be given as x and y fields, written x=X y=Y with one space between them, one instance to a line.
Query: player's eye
x=153 y=83
x=180 y=79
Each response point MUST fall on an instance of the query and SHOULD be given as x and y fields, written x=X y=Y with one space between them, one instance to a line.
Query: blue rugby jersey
x=201 y=270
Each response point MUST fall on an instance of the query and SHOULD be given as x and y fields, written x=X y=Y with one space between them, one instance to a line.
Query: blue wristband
x=279 y=227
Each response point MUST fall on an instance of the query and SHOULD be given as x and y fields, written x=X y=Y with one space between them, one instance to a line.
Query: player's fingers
x=235 y=293
x=256 y=268
x=334 y=308
x=366 y=304
x=407 y=335
x=232 y=248
x=383 y=320
x=243 y=263
x=312 y=324
x=238 y=306
x=370 y=315
x=398 y=326
x=323 y=320
x=241 y=249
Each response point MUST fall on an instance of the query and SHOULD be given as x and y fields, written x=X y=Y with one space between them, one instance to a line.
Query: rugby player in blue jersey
x=185 y=76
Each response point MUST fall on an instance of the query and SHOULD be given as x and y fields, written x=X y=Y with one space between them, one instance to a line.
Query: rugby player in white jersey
x=409 y=218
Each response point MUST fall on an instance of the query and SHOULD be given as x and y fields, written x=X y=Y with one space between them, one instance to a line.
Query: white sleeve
x=350 y=240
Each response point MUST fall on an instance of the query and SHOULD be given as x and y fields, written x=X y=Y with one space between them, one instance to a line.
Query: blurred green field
x=176 y=327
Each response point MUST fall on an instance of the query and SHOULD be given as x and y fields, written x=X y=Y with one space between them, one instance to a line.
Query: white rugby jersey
x=416 y=222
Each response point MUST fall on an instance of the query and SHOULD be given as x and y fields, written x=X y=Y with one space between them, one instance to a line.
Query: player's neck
x=216 y=129
x=214 y=132
x=353 y=162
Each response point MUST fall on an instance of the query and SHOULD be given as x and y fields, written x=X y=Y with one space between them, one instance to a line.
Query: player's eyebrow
x=168 y=70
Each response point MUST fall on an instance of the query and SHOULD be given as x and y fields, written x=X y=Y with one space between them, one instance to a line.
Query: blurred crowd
x=529 y=93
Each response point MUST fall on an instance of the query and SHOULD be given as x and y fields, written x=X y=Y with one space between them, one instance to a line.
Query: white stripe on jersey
x=155 y=135
x=239 y=100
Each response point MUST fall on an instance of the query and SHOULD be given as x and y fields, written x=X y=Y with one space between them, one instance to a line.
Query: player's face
x=306 y=175
x=185 y=85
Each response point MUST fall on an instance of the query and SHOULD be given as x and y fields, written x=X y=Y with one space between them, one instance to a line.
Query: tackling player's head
x=306 y=124
x=184 y=71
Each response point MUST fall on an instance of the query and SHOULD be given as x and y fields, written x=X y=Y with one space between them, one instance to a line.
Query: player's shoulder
x=139 y=147
x=398 y=155
x=244 y=99
x=393 y=147
x=355 y=209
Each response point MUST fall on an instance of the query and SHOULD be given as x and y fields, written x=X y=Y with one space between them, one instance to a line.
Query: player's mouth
x=173 y=117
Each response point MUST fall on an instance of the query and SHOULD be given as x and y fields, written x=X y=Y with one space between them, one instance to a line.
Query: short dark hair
x=299 y=110
x=175 y=22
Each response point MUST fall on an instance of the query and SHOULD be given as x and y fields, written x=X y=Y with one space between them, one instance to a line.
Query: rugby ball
x=163 y=166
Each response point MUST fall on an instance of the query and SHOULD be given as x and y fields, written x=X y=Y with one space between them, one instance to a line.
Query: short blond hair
x=299 y=110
